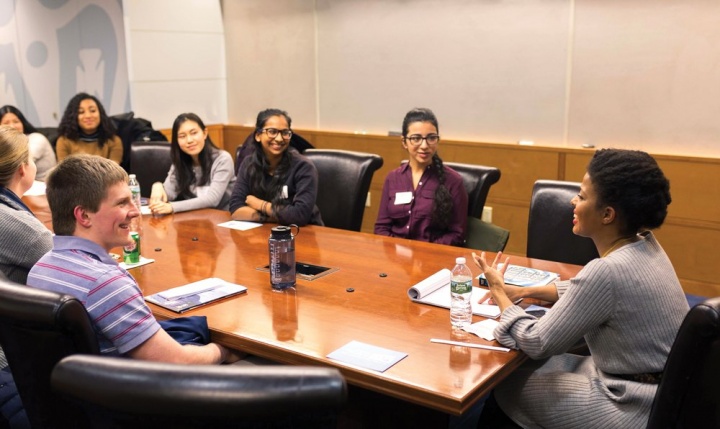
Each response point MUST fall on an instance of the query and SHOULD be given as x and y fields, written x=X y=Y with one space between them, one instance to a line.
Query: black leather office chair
x=150 y=162
x=343 y=182
x=37 y=329
x=689 y=392
x=131 y=129
x=477 y=180
x=118 y=392
x=550 y=235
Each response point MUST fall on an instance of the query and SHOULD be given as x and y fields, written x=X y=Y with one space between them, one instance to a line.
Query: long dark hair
x=442 y=201
x=259 y=164
x=183 y=162
x=27 y=126
x=70 y=129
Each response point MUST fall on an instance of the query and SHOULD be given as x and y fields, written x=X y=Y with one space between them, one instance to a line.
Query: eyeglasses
x=416 y=139
x=273 y=133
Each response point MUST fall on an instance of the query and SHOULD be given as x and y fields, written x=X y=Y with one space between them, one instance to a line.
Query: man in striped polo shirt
x=92 y=209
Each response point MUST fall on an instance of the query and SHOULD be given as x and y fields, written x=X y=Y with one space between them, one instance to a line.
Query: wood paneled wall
x=689 y=235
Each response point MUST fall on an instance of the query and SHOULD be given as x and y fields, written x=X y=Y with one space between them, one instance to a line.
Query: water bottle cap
x=280 y=232
x=460 y=260
x=131 y=176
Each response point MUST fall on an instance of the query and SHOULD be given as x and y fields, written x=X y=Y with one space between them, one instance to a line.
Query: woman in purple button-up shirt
x=423 y=200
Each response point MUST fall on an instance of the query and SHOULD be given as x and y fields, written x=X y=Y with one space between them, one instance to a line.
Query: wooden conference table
x=364 y=300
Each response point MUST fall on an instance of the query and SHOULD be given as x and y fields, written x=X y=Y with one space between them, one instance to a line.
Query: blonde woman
x=23 y=240
x=18 y=225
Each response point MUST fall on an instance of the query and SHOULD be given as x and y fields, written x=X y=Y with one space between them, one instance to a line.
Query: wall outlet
x=367 y=200
x=487 y=214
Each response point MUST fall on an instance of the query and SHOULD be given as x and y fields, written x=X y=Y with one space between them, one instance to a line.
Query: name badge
x=403 y=198
x=284 y=192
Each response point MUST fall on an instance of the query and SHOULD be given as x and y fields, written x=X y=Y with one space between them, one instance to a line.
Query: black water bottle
x=281 y=246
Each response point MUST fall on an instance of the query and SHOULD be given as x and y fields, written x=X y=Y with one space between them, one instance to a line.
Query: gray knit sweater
x=628 y=306
x=215 y=195
x=23 y=240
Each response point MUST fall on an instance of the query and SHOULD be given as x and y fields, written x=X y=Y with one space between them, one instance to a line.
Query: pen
x=473 y=345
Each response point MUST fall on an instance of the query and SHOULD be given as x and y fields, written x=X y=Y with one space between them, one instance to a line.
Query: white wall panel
x=175 y=15
x=161 y=102
x=176 y=52
x=176 y=56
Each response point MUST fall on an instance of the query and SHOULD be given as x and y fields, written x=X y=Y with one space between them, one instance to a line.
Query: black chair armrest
x=162 y=389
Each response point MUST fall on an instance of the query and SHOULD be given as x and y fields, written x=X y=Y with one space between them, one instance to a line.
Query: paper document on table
x=435 y=290
x=483 y=329
x=239 y=225
x=183 y=298
x=524 y=276
x=367 y=356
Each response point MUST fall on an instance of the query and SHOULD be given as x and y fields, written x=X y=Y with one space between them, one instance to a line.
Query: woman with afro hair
x=627 y=305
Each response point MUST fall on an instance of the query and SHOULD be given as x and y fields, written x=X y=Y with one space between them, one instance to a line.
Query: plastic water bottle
x=460 y=294
x=135 y=190
x=281 y=247
x=131 y=253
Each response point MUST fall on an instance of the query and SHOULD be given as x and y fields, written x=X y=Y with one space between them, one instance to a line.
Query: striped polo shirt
x=81 y=268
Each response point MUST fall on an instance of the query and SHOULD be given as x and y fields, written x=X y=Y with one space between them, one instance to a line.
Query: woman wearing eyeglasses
x=275 y=184
x=201 y=175
x=423 y=199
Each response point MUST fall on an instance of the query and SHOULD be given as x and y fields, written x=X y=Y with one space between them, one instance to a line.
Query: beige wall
x=638 y=74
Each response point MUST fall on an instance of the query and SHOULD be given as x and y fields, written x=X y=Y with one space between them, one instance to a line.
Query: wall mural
x=52 y=49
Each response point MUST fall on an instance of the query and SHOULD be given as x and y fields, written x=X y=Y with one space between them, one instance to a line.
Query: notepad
x=184 y=298
x=524 y=276
x=435 y=290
